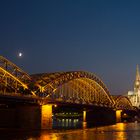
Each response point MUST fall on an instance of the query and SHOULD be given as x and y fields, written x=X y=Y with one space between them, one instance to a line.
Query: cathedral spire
x=137 y=81
x=137 y=73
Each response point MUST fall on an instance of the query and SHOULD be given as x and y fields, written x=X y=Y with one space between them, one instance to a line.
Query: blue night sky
x=99 y=36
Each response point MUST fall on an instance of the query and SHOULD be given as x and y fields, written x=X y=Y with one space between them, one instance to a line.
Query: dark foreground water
x=120 y=131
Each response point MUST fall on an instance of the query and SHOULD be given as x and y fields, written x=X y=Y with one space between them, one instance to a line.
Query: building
x=134 y=96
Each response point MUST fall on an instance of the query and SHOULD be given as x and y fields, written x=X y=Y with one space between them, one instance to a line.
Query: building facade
x=134 y=96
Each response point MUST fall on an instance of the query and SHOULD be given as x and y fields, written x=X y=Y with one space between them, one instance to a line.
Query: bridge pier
x=84 y=119
x=118 y=116
x=46 y=116
x=84 y=116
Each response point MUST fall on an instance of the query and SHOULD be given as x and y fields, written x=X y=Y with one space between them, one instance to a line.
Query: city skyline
x=101 y=37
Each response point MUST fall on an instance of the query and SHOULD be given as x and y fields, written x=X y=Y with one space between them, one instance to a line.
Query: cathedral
x=134 y=96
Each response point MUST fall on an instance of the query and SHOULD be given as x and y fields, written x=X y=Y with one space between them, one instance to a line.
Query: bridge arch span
x=74 y=87
x=123 y=103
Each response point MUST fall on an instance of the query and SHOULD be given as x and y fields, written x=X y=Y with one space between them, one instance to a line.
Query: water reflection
x=48 y=137
x=120 y=131
x=67 y=123
x=84 y=125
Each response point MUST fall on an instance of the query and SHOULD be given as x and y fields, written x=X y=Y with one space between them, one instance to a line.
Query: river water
x=119 y=131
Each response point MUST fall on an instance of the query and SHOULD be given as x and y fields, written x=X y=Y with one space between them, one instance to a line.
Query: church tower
x=134 y=96
x=137 y=81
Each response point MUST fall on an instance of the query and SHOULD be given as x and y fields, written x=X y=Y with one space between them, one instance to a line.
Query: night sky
x=98 y=36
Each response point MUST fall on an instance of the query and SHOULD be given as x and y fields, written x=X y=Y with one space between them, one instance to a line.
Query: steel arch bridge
x=76 y=87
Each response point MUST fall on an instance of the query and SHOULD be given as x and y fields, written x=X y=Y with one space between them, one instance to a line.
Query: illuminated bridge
x=61 y=88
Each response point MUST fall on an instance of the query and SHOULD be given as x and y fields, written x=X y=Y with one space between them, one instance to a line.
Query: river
x=119 y=131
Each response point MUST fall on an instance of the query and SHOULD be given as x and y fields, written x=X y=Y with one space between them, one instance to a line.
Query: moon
x=20 y=54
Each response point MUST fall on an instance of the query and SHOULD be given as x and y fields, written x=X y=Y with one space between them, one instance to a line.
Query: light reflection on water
x=120 y=131
x=67 y=123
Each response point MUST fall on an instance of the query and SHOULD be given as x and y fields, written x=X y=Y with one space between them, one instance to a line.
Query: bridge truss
x=12 y=78
x=76 y=87
x=123 y=103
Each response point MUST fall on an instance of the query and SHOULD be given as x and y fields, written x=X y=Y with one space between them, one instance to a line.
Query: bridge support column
x=84 y=119
x=118 y=115
x=84 y=116
x=46 y=117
